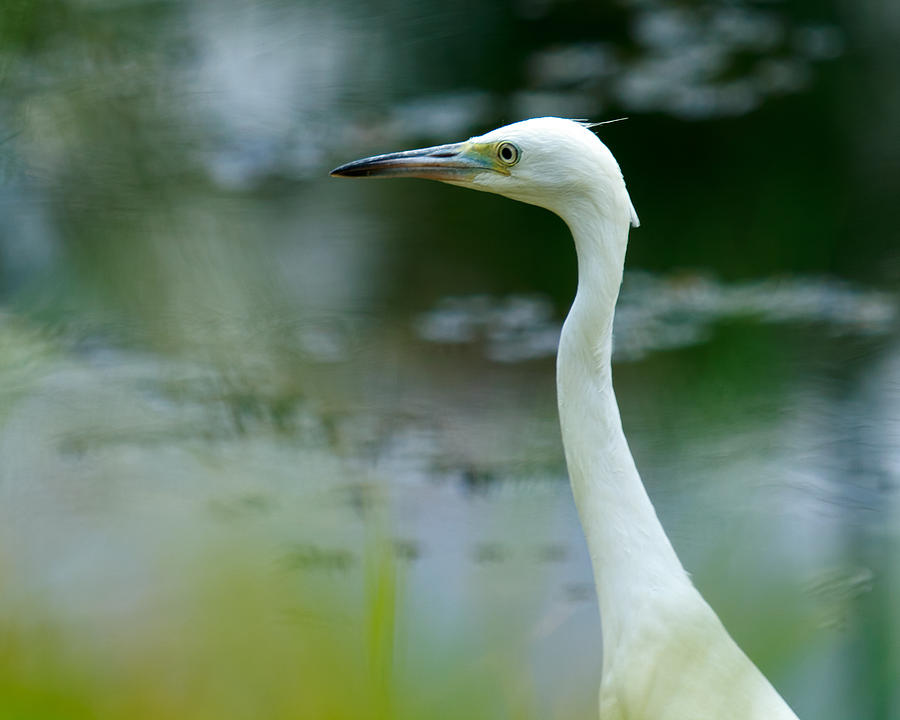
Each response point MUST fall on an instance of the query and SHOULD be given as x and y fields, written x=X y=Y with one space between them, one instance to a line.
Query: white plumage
x=666 y=655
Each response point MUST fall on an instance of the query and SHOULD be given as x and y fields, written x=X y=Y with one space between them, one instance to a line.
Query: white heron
x=666 y=655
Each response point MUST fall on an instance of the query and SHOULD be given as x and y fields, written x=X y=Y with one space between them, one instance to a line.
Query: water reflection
x=262 y=90
x=659 y=313
x=694 y=63
x=119 y=448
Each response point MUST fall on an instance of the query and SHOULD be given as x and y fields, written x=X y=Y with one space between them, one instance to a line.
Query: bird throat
x=634 y=562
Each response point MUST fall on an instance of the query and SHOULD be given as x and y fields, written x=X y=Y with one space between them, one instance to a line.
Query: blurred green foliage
x=252 y=641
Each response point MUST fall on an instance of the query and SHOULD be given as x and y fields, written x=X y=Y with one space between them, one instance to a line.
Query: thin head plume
x=635 y=221
x=590 y=125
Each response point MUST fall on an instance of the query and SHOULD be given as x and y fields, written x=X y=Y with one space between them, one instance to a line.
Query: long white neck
x=634 y=562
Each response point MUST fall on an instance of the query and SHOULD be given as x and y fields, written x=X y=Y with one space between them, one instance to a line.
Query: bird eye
x=508 y=153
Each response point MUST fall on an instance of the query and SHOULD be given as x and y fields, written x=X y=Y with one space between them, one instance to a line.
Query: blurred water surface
x=274 y=444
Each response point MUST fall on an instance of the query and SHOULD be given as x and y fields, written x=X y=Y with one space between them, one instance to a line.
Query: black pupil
x=506 y=152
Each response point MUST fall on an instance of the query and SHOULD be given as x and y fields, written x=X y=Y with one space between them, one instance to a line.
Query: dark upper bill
x=441 y=162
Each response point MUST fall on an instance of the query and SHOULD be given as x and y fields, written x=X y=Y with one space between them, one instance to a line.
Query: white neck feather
x=634 y=562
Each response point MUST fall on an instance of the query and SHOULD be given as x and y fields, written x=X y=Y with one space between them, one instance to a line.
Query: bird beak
x=450 y=163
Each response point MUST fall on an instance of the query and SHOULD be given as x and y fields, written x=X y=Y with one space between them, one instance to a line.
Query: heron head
x=549 y=162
